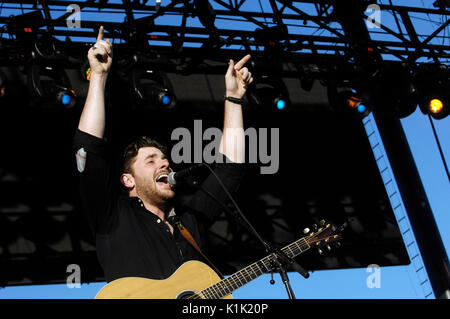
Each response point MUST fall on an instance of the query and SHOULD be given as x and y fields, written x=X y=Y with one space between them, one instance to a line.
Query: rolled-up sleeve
x=95 y=170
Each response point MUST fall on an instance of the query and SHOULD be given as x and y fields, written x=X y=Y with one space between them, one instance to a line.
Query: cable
x=277 y=253
x=241 y=215
x=439 y=146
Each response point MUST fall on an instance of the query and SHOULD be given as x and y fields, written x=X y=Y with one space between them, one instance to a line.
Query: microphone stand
x=285 y=278
x=280 y=258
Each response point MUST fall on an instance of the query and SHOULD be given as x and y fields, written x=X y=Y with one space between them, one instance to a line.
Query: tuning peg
x=306 y=231
x=322 y=222
x=314 y=227
x=337 y=244
x=328 y=247
x=320 y=251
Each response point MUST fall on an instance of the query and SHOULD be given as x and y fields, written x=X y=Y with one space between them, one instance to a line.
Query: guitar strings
x=216 y=292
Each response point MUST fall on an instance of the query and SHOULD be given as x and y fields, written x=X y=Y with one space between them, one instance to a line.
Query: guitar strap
x=186 y=234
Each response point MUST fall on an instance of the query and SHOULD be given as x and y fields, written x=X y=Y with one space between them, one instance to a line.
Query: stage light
x=346 y=100
x=25 y=25
x=165 y=99
x=281 y=104
x=398 y=94
x=152 y=88
x=435 y=106
x=44 y=46
x=269 y=93
x=66 y=97
x=434 y=90
x=362 y=108
x=50 y=86
x=438 y=106
x=353 y=102
x=3 y=84
x=356 y=103
x=27 y=28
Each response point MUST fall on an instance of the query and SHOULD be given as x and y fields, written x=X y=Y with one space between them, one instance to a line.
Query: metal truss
x=295 y=31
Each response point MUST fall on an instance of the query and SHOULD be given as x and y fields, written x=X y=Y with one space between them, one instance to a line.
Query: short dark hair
x=132 y=150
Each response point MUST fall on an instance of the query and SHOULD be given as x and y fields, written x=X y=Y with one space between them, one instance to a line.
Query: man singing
x=136 y=235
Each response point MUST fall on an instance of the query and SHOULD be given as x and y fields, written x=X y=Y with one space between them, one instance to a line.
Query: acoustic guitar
x=196 y=280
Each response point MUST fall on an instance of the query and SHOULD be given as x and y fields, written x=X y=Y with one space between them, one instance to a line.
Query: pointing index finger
x=241 y=63
x=100 y=34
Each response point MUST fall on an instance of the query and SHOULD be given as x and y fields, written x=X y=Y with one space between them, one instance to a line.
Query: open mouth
x=162 y=180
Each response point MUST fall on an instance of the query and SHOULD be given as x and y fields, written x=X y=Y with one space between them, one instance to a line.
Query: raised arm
x=93 y=162
x=237 y=79
x=92 y=120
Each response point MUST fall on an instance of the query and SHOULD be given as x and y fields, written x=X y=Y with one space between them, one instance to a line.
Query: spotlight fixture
x=355 y=103
x=51 y=86
x=346 y=100
x=434 y=89
x=435 y=106
x=28 y=29
x=272 y=38
x=438 y=106
x=3 y=84
x=26 y=25
x=398 y=92
x=268 y=93
x=44 y=47
x=280 y=103
x=66 y=97
x=152 y=88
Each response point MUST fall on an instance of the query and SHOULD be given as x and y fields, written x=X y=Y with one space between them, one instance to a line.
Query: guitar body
x=191 y=277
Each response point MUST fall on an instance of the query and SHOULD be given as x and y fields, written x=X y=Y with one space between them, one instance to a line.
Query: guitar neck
x=251 y=272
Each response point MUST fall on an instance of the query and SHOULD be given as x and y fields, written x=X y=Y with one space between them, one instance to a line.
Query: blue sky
x=399 y=282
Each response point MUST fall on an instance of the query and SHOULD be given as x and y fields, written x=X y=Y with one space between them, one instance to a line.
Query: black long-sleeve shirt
x=130 y=240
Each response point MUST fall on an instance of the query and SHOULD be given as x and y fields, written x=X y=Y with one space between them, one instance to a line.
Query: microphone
x=175 y=177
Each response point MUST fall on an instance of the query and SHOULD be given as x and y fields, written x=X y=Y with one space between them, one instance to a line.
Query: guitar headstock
x=323 y=235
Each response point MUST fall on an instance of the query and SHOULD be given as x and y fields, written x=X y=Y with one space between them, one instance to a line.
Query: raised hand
x=100 y=55
x=238 y=78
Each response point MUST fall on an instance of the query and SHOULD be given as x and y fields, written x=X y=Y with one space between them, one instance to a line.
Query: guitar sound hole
x=185 y=294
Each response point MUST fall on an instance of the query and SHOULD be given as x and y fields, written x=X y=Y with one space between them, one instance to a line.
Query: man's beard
x=151 y=192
